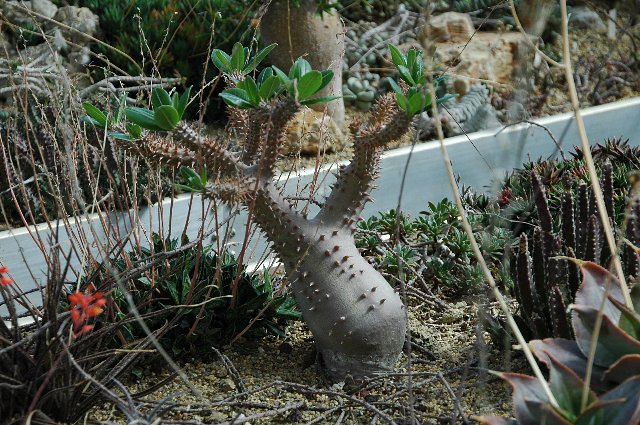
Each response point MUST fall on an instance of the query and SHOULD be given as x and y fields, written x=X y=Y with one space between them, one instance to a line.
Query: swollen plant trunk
x=357 y=319
x=301 y=31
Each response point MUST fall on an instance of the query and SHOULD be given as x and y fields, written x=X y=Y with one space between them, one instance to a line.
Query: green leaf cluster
x=435 y=243
x=410 y=67
x=302 y=82
x=165 y=116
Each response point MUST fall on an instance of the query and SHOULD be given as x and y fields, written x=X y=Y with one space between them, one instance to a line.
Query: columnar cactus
x=356 y=317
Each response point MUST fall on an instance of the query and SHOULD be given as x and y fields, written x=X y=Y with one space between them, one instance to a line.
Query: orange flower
x=84 y=306
x=4 y=280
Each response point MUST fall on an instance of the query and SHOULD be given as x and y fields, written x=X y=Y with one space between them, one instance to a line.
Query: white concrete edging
x=479 y=159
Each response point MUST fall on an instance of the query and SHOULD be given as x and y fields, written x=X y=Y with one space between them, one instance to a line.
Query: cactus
x=471 y=113
x=614 y=394
x=362 y=89
x=356 y=317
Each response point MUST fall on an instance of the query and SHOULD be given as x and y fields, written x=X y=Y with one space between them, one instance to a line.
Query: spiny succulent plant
x=613 y=394
x=544 y=286
x=361 y=89
x=471 y=113
x=357 y=319
x=565 y=174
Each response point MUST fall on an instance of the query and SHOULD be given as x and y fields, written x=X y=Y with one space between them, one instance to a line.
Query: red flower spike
x=84 y=306
x=4 y=280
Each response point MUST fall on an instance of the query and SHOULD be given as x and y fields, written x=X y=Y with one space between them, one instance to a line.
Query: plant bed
x=480 y=159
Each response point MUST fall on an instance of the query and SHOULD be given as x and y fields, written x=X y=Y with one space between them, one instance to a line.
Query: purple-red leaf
x=620 y=406
x=530 y=403
x=625 y=367
x=594 y=281
x=565 y=351
x=613 y=342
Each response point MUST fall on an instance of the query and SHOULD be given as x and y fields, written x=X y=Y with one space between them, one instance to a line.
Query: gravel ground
x=275 y=380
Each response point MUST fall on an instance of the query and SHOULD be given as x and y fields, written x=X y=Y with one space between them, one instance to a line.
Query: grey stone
x=80 y=19
x=585 y=18
x=15 y=11
x=44 y=7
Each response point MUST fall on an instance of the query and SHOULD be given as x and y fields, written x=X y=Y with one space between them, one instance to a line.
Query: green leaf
x=266 y=73
x=418 y=101
x=134 y=130
x=269 y=87
x=402 y=101
x=406 y=75
x=418 y=71
x=171 y=288
x=142 y=117
x=299 y=68
x=396 y=57
x=320 y=100
x=284 y=77
x=160 y=97
x=236 y=97
x=327 y=76
x=182 y=103
x=394 y=85
x=309 y=84
x=252 y=91
x=185 y=188
x=120 y=136
x=122 y=104
x=411 y=58
x=87 y=119
x=166 y=117
x=237 y=57
x=203 y=176
x=260 y=56
x=221 y=60
x=96 y=114
x=188 y=173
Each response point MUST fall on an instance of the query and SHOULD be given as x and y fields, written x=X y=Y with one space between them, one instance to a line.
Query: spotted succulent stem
x=356 y=317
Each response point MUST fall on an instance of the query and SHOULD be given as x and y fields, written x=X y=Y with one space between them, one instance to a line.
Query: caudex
x=357 y=319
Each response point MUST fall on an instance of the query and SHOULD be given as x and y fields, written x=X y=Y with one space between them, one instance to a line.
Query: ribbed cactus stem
x=582 y=219
x=524 y=280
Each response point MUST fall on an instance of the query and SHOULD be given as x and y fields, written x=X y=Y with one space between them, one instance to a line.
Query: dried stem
x=602 y=210
x=478 y=254
x=528 y=40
